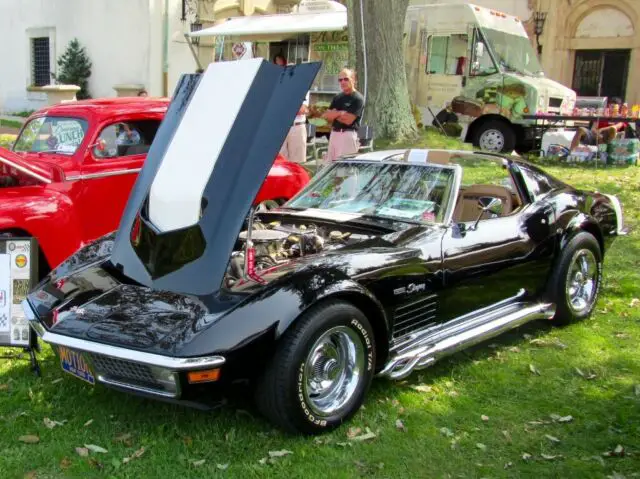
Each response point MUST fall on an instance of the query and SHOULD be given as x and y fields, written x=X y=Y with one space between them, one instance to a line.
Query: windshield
x=414 y=193
x=51 y=134
x=512 y=52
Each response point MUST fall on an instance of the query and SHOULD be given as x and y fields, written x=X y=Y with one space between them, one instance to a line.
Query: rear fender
x=51 y=219
x=582 y=222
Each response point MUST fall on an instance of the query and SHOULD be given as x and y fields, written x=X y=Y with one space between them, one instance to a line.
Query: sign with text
x=18 y=274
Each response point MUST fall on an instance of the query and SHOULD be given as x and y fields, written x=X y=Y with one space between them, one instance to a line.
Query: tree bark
x=387 y=106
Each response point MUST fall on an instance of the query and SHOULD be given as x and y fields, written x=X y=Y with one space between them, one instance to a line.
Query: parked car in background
x=383 y=264
x=71 y=169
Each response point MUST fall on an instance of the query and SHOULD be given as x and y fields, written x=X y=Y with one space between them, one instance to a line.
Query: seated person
x=127 y=136
x=601 y=132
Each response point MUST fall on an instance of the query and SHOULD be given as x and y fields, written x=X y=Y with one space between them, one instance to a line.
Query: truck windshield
x=51 y=134
x=513 y=53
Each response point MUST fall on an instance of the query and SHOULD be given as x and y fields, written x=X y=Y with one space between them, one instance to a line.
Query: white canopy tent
x=312 y=16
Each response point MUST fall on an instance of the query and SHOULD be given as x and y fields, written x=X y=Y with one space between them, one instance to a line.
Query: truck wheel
x=321 y=371
x=496 y=136
x=575 y=283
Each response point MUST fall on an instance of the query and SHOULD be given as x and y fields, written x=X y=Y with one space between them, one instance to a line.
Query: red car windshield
x=51 y=134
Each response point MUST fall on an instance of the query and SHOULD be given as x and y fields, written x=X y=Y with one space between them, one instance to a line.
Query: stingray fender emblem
x=409 y=289
x=251 y=266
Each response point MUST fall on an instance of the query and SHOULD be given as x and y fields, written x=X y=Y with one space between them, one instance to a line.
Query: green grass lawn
x=538 y=402
x=11 y=124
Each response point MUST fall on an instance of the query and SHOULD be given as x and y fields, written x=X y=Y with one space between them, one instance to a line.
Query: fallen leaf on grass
x=51 y=424
x=198 y=463
x=506 y=435
x=423 y=388
x=4 y=387
x=558 y=418
x=617 y=452
x=585 y=376
x=95 y=463
x=82 y=451
x=65 y=463
x=635 y=302
x=481 y=446
x=400 y=425
x=94 y=448
x=282 y=453
x=29 y=439
x=123 y=438
x=135 y=455
x=364 y=437
x=445 y=431
x=547 y=342
x=552 y=438
x=508 y=465
x=88 y=423
x=514 y=349
x=322 y=440
x=549 y=457
x=30 y=474
x=353 y=432
x=526 y=456
x=534 y=370
x=484 y=418
x=222 y=467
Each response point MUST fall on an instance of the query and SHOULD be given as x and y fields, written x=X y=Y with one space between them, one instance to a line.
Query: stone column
x=60 y=93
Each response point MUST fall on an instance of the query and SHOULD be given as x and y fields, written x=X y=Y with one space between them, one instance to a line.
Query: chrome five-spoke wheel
x=332 y=370
x=581 y=280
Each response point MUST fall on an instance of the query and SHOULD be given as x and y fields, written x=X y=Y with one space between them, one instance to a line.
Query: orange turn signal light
x=204 y=376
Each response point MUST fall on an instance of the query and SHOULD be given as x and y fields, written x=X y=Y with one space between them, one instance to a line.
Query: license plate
x=74 y=363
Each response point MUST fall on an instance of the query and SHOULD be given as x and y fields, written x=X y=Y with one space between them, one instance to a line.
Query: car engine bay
x=276 y=243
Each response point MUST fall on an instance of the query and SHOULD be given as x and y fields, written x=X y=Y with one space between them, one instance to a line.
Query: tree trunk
x=387 y=106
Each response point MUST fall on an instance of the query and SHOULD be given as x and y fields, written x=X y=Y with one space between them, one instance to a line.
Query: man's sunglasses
x=343 y=79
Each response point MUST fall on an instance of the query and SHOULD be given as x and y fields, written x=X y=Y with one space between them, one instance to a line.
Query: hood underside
x=210 y=156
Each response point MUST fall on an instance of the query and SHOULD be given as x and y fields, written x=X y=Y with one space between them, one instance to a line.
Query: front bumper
x=127 y=369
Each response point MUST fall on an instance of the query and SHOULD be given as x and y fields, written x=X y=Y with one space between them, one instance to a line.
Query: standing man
x=294 y=147
x=344 y=114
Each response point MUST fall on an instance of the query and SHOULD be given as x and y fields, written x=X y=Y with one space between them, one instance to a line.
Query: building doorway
x=601 y=73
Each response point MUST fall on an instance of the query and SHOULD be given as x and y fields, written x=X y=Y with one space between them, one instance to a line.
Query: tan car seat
x=467 y=204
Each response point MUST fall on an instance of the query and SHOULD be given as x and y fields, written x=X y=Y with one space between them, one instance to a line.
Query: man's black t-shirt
x=352 y=103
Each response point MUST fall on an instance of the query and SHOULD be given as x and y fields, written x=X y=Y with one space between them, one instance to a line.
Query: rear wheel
x=495 y=135
x=321 y=371
x=575 y=285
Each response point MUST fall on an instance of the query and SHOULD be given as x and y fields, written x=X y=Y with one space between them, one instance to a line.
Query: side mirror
x=488 y=204
x=100 y=145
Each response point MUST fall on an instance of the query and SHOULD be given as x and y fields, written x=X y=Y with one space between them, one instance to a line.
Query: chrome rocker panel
x=158 y=365
x=425 y=347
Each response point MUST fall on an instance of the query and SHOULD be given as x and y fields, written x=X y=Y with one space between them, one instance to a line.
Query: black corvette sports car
x=386 y=262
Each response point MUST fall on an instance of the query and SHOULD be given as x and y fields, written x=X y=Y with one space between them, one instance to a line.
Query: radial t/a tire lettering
x=321 y=371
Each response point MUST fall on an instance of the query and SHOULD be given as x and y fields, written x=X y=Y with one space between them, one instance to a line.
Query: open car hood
x=207 y=162
x=12 y=163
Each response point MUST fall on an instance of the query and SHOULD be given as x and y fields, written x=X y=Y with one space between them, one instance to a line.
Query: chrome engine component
x=275 y=243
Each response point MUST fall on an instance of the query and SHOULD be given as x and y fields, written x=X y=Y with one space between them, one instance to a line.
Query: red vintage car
x=69 y=174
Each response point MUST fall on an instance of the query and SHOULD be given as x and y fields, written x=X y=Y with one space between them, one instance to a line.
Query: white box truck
x=479 y=65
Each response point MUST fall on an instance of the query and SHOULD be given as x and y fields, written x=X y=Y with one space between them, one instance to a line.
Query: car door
x=109 y=170
x=500 y=256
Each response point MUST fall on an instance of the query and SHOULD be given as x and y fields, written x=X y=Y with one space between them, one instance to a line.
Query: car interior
x=501 y=187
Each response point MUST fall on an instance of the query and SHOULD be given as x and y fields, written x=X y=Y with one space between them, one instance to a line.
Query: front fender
x=50 y=218
x=263 y=318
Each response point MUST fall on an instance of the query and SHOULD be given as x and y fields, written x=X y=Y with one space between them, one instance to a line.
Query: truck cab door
x=445 y=68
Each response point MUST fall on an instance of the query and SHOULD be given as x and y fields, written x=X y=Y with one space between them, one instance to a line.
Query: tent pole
x=193 y=51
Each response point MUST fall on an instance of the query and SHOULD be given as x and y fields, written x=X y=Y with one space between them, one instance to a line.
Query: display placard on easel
x=18 y=275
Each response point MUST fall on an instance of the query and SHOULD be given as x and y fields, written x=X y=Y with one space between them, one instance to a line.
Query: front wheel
x=576 y=281
x=495 y=135
x=321 y=371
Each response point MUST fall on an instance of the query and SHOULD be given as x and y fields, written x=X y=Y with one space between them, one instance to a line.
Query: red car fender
x=278 y=185
x=50 y=217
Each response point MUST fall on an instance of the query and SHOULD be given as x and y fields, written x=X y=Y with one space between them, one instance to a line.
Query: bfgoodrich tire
x=575 y=283
x=495 y=135
x=321 y=371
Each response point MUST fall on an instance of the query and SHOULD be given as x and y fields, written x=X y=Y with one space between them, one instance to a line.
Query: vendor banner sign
x=18 y=272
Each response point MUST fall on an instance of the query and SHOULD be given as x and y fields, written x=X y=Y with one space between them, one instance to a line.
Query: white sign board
x=16 y=271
